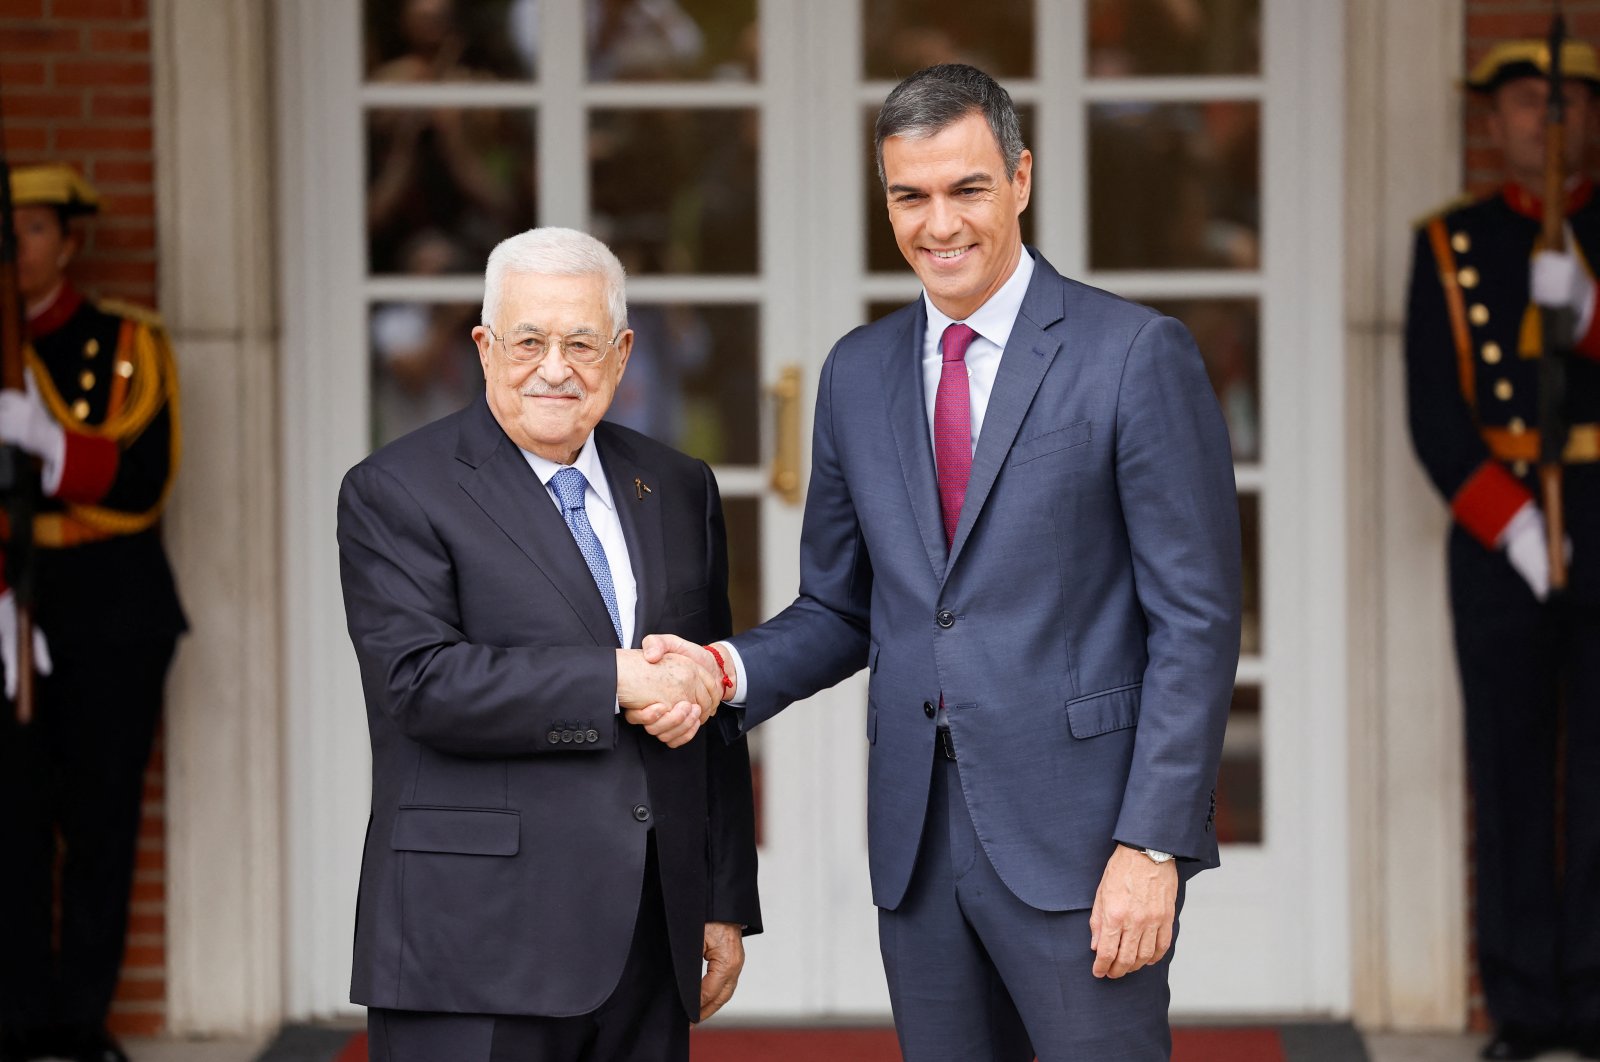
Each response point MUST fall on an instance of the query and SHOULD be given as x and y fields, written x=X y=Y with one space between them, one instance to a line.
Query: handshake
x=670 y=687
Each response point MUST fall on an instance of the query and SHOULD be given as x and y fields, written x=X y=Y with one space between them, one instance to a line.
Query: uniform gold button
x=1517 y=425
x=1461 y=243
x=1502 y=390
x=80 y=409
x=124 y=369
x=1467 y=277
x=86 y=380
x=1491 y=353
x=91 y=348
x=1520 y=468
x=1479 y=314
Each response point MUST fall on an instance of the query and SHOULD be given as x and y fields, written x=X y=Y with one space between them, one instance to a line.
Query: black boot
x=1511 y=1042
x=95 y=1044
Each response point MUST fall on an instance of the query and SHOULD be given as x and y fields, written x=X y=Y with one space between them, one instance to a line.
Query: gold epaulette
x=131 y=310
x=1453 y=203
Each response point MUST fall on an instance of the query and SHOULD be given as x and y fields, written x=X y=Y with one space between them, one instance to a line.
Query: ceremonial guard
x=99 y=421
x=1505 y=416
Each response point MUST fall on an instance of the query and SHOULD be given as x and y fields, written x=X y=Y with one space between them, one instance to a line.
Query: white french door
x=722 y=147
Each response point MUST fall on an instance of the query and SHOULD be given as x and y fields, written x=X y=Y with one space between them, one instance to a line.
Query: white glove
x=1525 y=541
x=24 y=422
x=8 y=641
x=1557 y=279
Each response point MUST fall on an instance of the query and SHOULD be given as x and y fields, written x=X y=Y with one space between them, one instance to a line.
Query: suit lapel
x=908 y=416
x=510 y=494
x=640 y=514
x=1023 y=364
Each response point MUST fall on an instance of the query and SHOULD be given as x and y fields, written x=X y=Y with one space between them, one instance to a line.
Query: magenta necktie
x=952 y=426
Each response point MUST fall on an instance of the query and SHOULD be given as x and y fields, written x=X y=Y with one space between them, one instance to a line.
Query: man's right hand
x=659 y=646
x=1527 y=547
x=669 y=696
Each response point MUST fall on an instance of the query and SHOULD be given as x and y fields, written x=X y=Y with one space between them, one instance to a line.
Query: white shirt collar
x=587 y=462
x=995 y=318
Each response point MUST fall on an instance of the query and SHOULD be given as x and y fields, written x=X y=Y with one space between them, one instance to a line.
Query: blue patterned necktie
x=570 y=486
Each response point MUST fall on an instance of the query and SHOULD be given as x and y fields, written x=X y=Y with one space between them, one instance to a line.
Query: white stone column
x=1403 y=157
x=213 y=167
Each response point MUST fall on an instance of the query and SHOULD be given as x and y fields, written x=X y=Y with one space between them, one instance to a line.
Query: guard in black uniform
x=1472 y=348
x=101 y=416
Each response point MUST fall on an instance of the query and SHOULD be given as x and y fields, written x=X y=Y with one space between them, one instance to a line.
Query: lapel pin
x=641 y=488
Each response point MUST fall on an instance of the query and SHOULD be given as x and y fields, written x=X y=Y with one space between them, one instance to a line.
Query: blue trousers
x=976 y=975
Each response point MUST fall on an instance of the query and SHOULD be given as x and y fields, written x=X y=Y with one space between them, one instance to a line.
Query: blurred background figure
x=100 y=416
x=465 y=172
x=1530 y=664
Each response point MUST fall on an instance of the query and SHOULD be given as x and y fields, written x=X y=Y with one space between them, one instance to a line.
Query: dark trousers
x=976 y=975
x=77 y=772
x=642 y=1021
x=1538 y=926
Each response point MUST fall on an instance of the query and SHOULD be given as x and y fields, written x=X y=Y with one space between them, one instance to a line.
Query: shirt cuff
x=741 y=687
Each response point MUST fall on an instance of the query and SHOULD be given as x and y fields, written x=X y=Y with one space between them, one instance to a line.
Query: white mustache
x=537 y=388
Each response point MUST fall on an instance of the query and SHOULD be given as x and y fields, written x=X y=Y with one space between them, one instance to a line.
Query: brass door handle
x=786 y=423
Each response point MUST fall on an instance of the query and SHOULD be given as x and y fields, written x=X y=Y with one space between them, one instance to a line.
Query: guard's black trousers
x=76 y=772
x=1538 y=927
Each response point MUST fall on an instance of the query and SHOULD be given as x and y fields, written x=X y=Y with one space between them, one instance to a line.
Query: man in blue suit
x=1022 y=521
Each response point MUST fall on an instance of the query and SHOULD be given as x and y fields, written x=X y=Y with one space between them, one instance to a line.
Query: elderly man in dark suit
x=1022 y=522
x=541 y=878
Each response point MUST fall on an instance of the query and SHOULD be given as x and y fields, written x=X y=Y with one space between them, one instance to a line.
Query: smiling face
x=954 y=212
x=549 y=407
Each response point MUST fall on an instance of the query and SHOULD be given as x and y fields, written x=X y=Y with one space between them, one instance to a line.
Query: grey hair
x=938 y=96
x=560 y=253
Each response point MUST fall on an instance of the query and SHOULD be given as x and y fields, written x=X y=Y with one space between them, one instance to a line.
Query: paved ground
x=1383 y=1048
x=1410 y=1048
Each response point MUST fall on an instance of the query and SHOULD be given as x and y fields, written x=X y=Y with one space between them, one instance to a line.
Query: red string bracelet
x=727 y=683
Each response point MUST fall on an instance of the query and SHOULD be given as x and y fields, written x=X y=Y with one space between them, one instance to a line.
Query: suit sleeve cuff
x=1487 y=501
x=86 y=471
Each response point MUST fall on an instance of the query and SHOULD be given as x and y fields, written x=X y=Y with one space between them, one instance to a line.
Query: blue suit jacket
x=1083 y=629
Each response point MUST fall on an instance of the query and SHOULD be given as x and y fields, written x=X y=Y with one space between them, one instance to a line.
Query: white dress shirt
x=993 y=322
x=602 y=513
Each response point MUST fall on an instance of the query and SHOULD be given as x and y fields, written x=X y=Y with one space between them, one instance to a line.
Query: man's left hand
x=724 y=952
x=1130 y=925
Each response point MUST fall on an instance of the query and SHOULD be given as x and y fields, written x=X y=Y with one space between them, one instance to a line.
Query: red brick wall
x=1490 y=21
x=75 y=87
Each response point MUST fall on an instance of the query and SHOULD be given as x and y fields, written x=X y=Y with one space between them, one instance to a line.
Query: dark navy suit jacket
x=1083 y=629
x=510 y=804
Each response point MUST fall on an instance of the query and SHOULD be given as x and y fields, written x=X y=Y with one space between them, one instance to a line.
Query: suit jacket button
x=945 y=618
x=928 y=709
x=554 y=737
x=566 y=737
x=591 y=735
x=641 y=813
x=578 y=738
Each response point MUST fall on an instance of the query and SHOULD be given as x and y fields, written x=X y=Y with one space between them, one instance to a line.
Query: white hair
x=555 y=252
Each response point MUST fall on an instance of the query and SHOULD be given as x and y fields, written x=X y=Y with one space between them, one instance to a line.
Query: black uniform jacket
x=1474 y=413
x=105 y=371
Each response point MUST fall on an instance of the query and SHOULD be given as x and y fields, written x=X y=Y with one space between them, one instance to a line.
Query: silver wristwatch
x=1154 y=855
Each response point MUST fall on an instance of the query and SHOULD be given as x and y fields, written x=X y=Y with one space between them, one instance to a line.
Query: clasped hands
x=669 y=686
